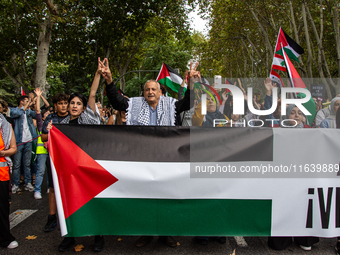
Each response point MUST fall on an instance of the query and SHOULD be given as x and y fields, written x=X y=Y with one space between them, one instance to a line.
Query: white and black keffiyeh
x=87 y=117
x=138 y=112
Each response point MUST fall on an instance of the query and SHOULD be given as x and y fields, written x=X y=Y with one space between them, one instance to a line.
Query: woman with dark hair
x=81 y=111
x=84 y=112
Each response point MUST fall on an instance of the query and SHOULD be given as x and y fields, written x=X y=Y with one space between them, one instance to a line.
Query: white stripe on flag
x=61 y=215
x=168 y=180
x=293 y=51
x=175 y=78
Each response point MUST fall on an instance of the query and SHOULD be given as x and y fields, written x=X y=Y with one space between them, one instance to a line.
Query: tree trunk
x=121 y=72
x=310 y=55
x=43 y=50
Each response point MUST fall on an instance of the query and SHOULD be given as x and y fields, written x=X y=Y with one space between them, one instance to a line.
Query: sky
x=197 y=23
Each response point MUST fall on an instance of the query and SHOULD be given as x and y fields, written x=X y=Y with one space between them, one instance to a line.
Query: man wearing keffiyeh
x=151 y=110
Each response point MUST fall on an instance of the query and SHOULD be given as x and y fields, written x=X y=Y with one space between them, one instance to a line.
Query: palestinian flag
x=22 y=91
x=108 y=183
x=170 y=78
x=296 y=82
x=293 y=51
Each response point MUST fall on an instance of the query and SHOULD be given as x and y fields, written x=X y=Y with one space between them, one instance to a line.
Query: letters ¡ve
x=325 y=209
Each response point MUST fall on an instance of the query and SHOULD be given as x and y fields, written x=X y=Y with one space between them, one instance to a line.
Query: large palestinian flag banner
x=134 y=180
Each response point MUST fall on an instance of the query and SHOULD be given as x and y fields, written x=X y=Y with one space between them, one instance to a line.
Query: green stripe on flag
x=170 y=84
x=187 y=217
x=290 y=54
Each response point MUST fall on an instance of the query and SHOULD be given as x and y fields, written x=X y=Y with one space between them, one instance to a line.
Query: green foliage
x=7 y=91
x=134 y=87
x=55 y=72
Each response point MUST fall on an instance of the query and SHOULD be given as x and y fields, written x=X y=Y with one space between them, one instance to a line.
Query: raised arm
x=45 y=101
x=188 y=101
x=117 y=101
x=181 y=88
x=29 y=103
x=95 y=84
x=193 y=75
x=38 y=92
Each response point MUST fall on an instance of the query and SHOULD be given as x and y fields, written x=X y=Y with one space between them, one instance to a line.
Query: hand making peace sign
x=193 y=75
x=104 y=69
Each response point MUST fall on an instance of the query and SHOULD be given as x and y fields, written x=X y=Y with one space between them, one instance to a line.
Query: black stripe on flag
x=131 y=143
x=231 y=144
x=171 y=70
x=293 y=44
x=172 y=144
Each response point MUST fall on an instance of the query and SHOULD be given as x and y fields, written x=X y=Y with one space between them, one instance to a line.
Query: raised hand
x=105 y=70
x=268 y=85
x=100 y=67
x=193 y=72
x=38 y=92
x=240 y=84
x=225 y=97
x=30 y=102
x=193 y=75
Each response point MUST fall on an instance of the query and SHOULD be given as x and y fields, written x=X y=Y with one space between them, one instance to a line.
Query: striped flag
x=293 y=51
x=108 y=183
x=297 y=82
x=170 y=78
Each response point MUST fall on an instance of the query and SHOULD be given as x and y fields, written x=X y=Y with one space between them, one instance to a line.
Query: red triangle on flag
x=281 y=40
x=80 y=177
x=163 y=73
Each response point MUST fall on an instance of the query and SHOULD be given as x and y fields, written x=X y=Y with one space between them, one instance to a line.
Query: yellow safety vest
x=41 y=146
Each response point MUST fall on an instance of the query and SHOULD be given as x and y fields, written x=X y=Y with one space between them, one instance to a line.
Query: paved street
x=36 y=212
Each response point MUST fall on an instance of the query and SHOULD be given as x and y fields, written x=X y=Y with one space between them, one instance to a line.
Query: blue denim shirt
x=17 y=114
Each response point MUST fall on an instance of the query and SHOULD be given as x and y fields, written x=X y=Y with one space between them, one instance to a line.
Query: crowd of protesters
x=25 y=128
